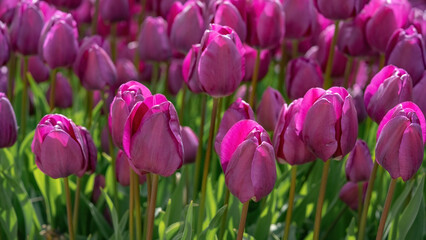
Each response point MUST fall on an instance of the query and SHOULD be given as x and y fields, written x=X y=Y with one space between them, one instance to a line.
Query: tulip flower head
x=4 y=44
x=8 y=125
x=122 y=170
x=335 y=9
x=190 y=145
x=297 y=25
x=114 y=10
x=359 y=164
x=227 y=14
x=269 y=108
x=349 y=194
x=153 y=42
x=250 y=61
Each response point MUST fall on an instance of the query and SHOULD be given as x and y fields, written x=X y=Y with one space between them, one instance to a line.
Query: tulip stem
x=52 y=89
x=155 y=77
x=294 y=48
x=386 y=209
x=148 y=198
x=114 y=42
x=24 y=109
x=69 y=211
x=329 y=66
x=12 y=75
x=382 y=61
x=151 y=207
x=95 y=17
x=131 y=204
x=225 y=214
x=200 y=145
x=290 y=202
x=89 y=108
x=166 y=79
x=137 y=205
x=243 y=220
x=76 y=204
x=360 y=188
x=367 y=202
x=281 y=75
x=207 y=164
x=254 y=79
x=348 y=69
x=321 y=199
x=182 y=104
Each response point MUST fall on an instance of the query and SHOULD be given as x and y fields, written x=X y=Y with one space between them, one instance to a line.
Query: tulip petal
x=349 y=125
x=410 y=151
x=263 y=171
x=120 y=111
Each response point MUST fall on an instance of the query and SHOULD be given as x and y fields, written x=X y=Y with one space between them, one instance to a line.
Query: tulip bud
x=83 y=13
x=114 y=10
x=247 y=159
x=190 y=69
x=7 y=10
x=105 y=139
x=417 y=17
x=302 y=74
x=228 y=15
x=175 y=80
x=58 y=147
x=92 y=152
x=328 y=121
x=9 y=128
x=298 y=26
x=269 y=108
x=418 y=93
x=349 y=194
x=127 y=96
x=359 y=164
x=406 y=49
x=324 y=45
x=250 y=55
x=400 y=140
x=388 y=87
x=58 y=44
x=288 y=142
x=239 y=110
x=358 y=97
x=151 y=125
x=335 y=9
x=4 y=77
x=63 y=92
x=351 y=39
x=122 y=170
x=98 y=184
x=39 y=71
x=126 y=71
x=69 y=4
x=265 y=23
x=4 y=45
x=153 y=42
x=190 y=145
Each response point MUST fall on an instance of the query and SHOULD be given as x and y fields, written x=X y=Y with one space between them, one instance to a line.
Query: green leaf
x=175 y=212
x=187 y=230
x=117 y=233
x=212 y=228
x=40 y=102
x=265 y=219
x=173 y=229
x=103 y=226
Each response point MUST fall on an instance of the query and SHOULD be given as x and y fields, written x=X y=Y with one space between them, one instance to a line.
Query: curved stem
x=225 y=214
x=137 y=205
x=76 y=204
x=386 y=209
x=200 y=145
x=207 y=164
x=290 y=202
x=12 y=75
x=367 y=202
x=348 y=70
x=360 y=187
x=254 y=80
x=131 y=205
x=329 y=66
x=320 y=202
x=151 y=207
x=95 y=17
x=52 y=89
x=69 y=212
x=243 y=220
x=24 y=109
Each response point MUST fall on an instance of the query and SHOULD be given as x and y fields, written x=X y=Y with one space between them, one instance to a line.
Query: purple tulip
x=127 y=96
x=265 y=23
x=302 y=74
x=122 y=170
x=58 y=44
x=288 y=142
x=190 y=145
x=400 y=140
x=63 y=92
x=154 y=45
x=7 y=10
x=388 y=87
x=151 y=125
x=58 y=146
x=328 y=121
x=349 y=194
x=126 y=71
x=417 y=17
x=335 y=9
x=175 y=79
x=69 y=4
x=83 y=13
x=418 y=93
x=4 y=78
x=190 y=69
x=26 y=28
x=9 y=128
x=98 y=184
x=239 y=110
x=4 y=44
x=105 y=139
x=351 y=39
x=359 y=164
x=269 y=108
x=250 y=61
x=299 y=25
x=358 y=97
x=114 y=10
x=324 y=45
x=92 y=152
x=406 y=49
x=248 y=161
x=38 y=69
x=228 y=15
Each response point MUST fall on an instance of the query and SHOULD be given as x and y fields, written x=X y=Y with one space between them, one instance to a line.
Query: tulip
x=418 y=93
x=4 y=77
x=58 y=146
x=302 y=74
x=358 y=96
x=154 y=45
x=336 y=9
x=265 y=23
x=58 y=44
x=39 y=71
x=190 y=69
x=26 y=28
x=406 y=49
x=63 y=92
x=122 y=170
x=92 y=152
x=4 y=44
x=127 y=96
x=247 y=159
x=114 y=10
x=83 y=13
x=7 y=10
x=351 y=39
x=227 y=14
x=299 y=25
x=349 y=194
x=70 y=4
x=98 y=184
x=388 y=87
x=328 y=121
x=250 y=61
x=288 y=142
x=401 y=139
x=126 y=71
x=417 y=17
x=8 y=125
x=175 y=80
x=359 y=164
x=151 y=125
x=190 y=145
x=269 y=108
x=239 y=110
x=324 y=45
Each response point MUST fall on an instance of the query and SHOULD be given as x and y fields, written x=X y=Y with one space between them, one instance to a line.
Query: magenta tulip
x=302 y=74
x=349 y=194
x=359 y=164
x=324 y=45
x=175 y=80
x=153 y=42
x=190 y=69
x=335 y=9
x=297 y=25
x=122 y=170
x=269 y=108
x=351 y=39
x=190 y=145
x=8 y=125
x=227 y=14
x=63 y=92
x=38 y=69
x=250 y=61
x=126 y=71
x=418 y=93
x=92 y=152
x=7 y=10
x=4 y=44
x=70 y=4
x=114 y=10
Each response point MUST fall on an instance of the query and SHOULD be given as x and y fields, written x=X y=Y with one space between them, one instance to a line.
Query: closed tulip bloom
x=92 y=152
x=69 y=4
x=406 y=49
x=336 y=9
x=38 y=69
x=127 y=96
x=417 y=17
x=269 y=108
x=349 y=194
x=351 y=39
x=250 y=61
x=153 y=42
x=4 y=44
x=122 y=170
x=151 y=125
x=228 y=15
x=299 y=25
x=175 y=78
x=288 y=142
x=239 y=110
x=324 y=45
x=418 y=93
x=63 y=92
x=114 y=10
x=190 y=145
x=265 y=23
x=387 y=88
x=7 y=10
x=248 y=161
x=126 y=71
x=302 y=74
x=58 y=147
x=26 y=28
x=9 y=128
x=98 y=184
x=190 y=69
x=400 y=140
x=4 y=77
x=83 y=13
x=329 y=120
x=58 y=44
x=359 y=164
x=358 y=96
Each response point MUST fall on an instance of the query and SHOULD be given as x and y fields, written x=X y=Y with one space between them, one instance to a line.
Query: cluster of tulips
x=339 y=67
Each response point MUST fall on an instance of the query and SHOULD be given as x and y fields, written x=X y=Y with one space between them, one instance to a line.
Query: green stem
x=52 y=89
x=290 y=202
x=281 y=75
x=182 y=104
x=200 y=145
x=367 y=202
x=137 y=205
x=95 y=17
x=131 y=205
x=76 y=204
x=113 y=42
x=148 y=199
x=321 y=200
x=243 y=220
x=294 y=48
x=207 y=164
x=24 y=109
x=155 y=76
x=386 y=209
x=348 y=69
x=151 y=207
x=69 y=211
x=89 y=109
x=360 y=187
x=329 y=66
x=166 y=80
x=225 y=214
x=382 y=61
x=254 y=79
x=12 y=76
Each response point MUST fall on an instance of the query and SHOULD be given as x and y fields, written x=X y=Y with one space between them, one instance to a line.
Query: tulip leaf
x=175 y=211
x=118 y=232
x=265 y=219
x=417 y=230
x=164 y=221
x=40 y=102
x=187 y=230
x=172 y=230
x=8 y=218
x=103 y=226
x=212 y=228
